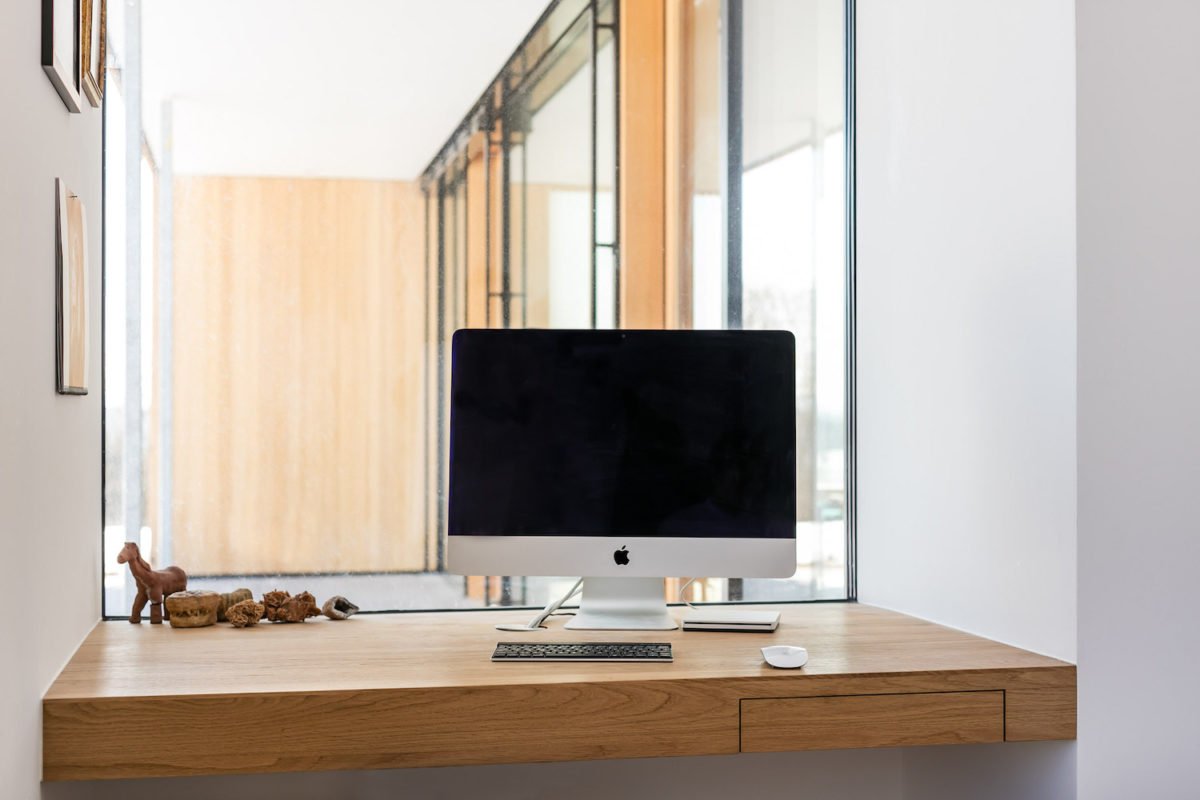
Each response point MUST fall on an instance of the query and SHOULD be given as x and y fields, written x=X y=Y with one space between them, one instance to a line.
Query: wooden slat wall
x=692 y=148
x=642 y=76
x=429 y=413
x=297 y=375
x=477 y=243
x=677 y=166
x=702 y=80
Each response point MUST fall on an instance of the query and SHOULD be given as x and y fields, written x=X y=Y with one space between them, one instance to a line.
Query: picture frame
x=60 y=49
x=71 y=292
x=93 y=37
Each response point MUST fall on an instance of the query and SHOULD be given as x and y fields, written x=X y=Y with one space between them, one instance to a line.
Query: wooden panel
x=297 y=375
x=531 y=245
x=362 y=693
x=374 y=729
x=495 y=164
x=477 y=241
x=429 y=375
x=693 y=148
x=844 y=640
x=677 y=167
x=642 y=141
x=704 y=96
x=892 y=720
x=1040 y=714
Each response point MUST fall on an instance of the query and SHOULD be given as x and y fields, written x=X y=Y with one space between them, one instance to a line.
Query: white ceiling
x=345 y=88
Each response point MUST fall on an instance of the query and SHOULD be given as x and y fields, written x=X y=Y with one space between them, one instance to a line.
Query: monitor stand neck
x=622 y=604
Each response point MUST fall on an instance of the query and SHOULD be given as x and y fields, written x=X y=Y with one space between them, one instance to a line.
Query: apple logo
x=621 y=557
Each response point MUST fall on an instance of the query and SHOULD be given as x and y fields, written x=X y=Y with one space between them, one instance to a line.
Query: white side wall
x=1139 y=397
x=49 y=444
x=853 y=775
x=966 y=315
x=966 y=344
x=1008 y=771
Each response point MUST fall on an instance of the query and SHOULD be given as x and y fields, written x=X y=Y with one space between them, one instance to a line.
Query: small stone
x=282 y=607
x=193 y=608
x=245 y=613
x=230 y=599
x=338 y=607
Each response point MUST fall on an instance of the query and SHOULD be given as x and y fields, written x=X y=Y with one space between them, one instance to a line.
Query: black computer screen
x=623 y=433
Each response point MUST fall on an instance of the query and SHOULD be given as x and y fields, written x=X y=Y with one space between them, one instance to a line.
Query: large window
x=290 y=243
x=769 y=235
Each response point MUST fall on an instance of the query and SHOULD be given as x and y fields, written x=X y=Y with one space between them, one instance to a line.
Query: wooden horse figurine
x=153 y=584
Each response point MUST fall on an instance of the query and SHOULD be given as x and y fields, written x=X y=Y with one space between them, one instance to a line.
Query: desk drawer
x=878 y=720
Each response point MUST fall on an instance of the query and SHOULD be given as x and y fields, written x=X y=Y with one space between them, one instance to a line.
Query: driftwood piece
x=229 y=599
x=338 y=607
x=245 y=613
x=195 y=609
x=283 y=607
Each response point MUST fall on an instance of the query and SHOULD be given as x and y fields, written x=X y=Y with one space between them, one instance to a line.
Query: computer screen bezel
x=620 y=556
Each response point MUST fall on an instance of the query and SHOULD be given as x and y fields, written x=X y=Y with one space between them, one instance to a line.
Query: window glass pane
x=791 y=227
x=606 y=177
x=553 y=197
x=286 y=259
x=115 y=316
x=793 y=252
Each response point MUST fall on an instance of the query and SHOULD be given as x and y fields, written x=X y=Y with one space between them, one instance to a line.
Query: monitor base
x=622 y=604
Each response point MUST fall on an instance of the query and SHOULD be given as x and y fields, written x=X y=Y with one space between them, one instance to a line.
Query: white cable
x=679 y=596
x=551 y=607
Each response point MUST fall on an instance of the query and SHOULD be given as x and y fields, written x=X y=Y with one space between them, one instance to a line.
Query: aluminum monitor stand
x=622 y=604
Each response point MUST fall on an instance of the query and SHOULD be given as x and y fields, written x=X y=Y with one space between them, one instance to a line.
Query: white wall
x=1008 y=771
x=49 y=444
x=848 y=775
x=966 y=343
x=966 y=315
x=1139 y=384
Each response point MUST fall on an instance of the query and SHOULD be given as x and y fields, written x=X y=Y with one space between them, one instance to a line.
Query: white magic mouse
x=785 y=657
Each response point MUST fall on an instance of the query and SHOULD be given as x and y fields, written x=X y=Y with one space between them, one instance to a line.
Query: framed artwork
x=92 y=35
x=60 y=49
x=71 y=283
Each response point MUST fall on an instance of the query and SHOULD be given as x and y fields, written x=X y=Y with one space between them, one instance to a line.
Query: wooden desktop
x=419 y=690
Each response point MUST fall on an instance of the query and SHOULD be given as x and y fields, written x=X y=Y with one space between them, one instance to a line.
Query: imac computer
x=625 y=457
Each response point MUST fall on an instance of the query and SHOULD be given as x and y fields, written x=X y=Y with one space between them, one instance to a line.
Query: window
x=308 y=234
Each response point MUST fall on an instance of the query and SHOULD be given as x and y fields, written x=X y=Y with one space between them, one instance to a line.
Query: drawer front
x=385 y=728
x=879 y=720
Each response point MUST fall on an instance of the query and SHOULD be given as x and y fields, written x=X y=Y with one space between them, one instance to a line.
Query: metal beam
x=731 y=191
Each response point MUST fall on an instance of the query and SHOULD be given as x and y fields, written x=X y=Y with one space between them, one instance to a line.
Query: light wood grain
x=493 y=268
x=679 y=126
x=641 y=202
x=377 y=729
x=883 y=720
x=429 y=375
x=703 y=81
x=1038 y=714
x=477 y=241
x=297 y=376
x=420 y=690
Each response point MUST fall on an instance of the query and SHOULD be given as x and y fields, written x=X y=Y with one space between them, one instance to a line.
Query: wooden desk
x=417 y=690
